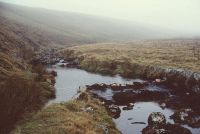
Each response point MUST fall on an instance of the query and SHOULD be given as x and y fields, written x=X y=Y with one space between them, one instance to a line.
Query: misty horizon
x=179 y=16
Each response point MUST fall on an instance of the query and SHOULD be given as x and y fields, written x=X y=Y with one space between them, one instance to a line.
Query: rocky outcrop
x=178 y=78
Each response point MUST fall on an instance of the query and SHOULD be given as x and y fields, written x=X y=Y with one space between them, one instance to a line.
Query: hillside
x=65 y=28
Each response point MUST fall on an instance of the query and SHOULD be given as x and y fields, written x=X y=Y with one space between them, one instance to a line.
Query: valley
x=65 y=72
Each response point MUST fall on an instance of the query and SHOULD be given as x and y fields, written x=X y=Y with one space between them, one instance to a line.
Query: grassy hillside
x=75 y=29
x=24 y=87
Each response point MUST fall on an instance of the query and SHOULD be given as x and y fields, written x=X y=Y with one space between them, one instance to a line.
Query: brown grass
x=165 y=53
x=69 y=118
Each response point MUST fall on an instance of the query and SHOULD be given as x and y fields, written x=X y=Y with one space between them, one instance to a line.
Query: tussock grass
x=69 y=118
x=164 y=53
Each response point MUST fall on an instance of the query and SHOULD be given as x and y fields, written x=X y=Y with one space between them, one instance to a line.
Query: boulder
x=156 y=119
x=114 y=111
x=157 y=125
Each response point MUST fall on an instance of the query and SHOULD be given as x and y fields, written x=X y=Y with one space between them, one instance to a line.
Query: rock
x=157 y=80
x=180 y=116
x=124 y=98
x=139 y=85
x=104 y=127
x=54 y=73
x=127 y=97
x=166 y=129
x=138 y=123
x=114 y=111
x=152 y=130
x=160 y=81
x=156 y=119
x=131 y=105
x=187 y=93
x=163 y=105
x=48 y=80
x=115 y=86
x=127 y=108
x=88 y=109
x=157 y=125
x=186 y=117
x=196 y=89
x=130 y=118
x=97 y=86
x=62 y=65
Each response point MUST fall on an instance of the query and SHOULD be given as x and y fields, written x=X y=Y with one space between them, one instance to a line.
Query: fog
x=178 y=15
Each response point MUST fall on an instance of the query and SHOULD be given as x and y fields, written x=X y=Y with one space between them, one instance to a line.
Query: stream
x=69 y=80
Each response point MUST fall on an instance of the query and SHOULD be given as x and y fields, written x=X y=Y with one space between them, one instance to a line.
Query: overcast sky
x=182 y=15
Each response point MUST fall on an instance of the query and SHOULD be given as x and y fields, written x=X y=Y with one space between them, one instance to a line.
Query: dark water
x=140 y=113
x=69 y=80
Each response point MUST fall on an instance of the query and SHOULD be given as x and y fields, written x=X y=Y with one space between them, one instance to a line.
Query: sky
x=180 y=15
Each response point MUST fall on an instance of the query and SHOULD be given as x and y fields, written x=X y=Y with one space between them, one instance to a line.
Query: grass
x=69 y=118
x=164 y=53
x=23 y=87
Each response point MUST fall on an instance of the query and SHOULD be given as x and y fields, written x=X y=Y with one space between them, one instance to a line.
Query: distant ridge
x=66 y=28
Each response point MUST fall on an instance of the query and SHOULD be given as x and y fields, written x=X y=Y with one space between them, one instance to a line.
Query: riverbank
x=25 y=87
x=84 y=115
x=169 y=61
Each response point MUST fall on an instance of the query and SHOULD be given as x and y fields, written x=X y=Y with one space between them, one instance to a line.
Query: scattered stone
x=186 y=116
x=104 y=127
x=196 y=89
x=88 y=109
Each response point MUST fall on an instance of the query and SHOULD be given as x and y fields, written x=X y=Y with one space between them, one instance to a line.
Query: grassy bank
x=164 y=53
x=24 y=87
x=21 y=94
x=82 y=116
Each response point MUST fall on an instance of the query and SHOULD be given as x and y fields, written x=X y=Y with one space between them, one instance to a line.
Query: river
x=69 y=80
